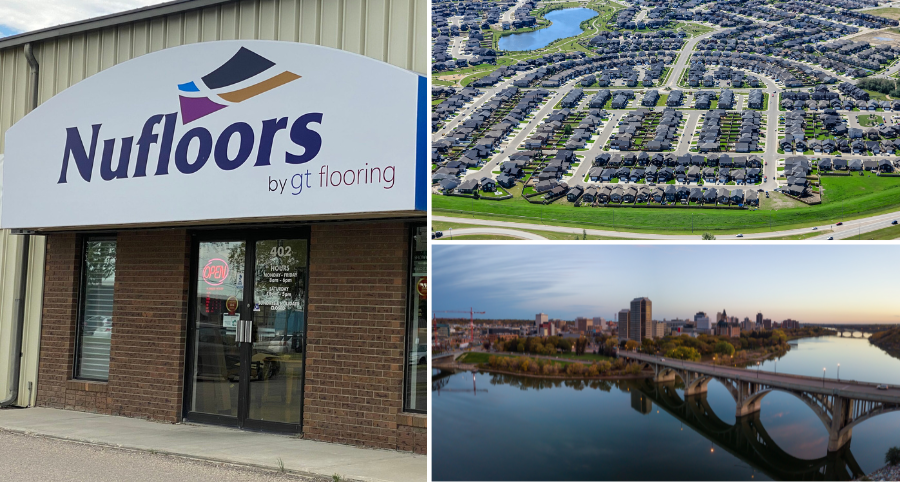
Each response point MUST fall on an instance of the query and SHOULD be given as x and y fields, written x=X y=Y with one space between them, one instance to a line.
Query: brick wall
x=146 y=371
x=61 y=274
x=149 y=322
x=357 y=316
x=356 y=332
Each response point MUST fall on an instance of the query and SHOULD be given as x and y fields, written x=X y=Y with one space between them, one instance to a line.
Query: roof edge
x=143 y=13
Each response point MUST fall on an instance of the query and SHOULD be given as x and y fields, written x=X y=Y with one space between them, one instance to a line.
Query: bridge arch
x=818 y=409
x=875 y=411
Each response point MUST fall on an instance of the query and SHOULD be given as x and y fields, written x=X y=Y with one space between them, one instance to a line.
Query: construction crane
x=472 y=314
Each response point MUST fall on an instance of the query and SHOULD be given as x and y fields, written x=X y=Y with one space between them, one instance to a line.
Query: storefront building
x=228 y=203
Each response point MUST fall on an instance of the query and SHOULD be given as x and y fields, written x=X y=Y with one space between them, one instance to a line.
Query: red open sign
x=215 y=272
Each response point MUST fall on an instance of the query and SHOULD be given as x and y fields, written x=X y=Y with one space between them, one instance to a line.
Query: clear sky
x=18 y=16
x=811 y=283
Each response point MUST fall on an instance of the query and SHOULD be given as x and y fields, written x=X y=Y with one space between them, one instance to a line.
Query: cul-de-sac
x=665 y=119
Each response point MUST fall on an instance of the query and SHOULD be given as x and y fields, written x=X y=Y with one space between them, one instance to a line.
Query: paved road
x=34 y=458
x=449 y=234
x=850 y=228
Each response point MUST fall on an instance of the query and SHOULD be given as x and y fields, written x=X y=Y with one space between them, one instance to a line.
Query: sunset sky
x=810 y=283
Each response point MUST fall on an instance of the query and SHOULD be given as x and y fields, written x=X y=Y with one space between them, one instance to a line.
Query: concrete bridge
x=747 y=439
x=851 y=331
x=839 y=404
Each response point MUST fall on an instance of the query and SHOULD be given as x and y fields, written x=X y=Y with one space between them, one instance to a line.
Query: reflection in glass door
x=219 y=288
x=279 y=322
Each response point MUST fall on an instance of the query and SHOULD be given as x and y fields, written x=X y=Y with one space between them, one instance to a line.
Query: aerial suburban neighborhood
x=701 y=118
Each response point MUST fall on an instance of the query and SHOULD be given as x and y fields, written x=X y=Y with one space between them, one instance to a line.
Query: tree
x=779 y=337
x=584 y=234
x=708 y=237
x=631 y=345
x=684 y=353
x=892 y=456
x=724 y=348
x=487 y=344
x=580 y=345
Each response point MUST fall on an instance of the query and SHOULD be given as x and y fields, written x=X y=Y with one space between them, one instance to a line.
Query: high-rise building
x=584 y=325
x=767 y=324
x=540 y=319
x=624 y=325
x=701 y=322
x=759 y=320
x=790 y=324
x=658 y=330
x=723 y=316
x=640 y=318
x=600 y=324
x=747 y=325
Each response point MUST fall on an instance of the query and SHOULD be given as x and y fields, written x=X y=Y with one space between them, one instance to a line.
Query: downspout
x=23 y=274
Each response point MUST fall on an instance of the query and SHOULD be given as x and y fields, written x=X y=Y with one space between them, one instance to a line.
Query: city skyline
x=567 y=281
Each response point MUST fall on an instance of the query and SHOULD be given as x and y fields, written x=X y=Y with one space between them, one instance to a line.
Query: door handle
x=244 y=331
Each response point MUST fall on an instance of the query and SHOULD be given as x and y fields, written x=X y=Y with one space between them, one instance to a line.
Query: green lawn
x=892 y=13
x=840 y=188
x=798 y=236
x=845 y=198
x=476 y=357
x=891 y=232
x=470 y=237
x=445 y=226
x=869 y=120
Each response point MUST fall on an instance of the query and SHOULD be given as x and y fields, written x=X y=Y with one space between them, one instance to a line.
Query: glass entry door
x=248 y=336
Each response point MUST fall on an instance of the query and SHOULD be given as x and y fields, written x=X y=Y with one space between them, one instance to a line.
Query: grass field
x=892 y=13
x=693 y=29
x=470 y=237
x=869 y=120
x=891 y=232
x=840 y=188
x=845 y=198
x=798 y=236
x=445 y=226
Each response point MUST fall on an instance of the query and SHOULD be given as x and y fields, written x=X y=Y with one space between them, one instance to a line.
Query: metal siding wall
x=393 y=31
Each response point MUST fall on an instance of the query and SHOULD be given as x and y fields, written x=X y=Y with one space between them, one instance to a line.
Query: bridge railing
x=749 y=371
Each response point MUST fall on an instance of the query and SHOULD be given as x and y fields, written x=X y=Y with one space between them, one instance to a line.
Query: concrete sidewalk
x=220 y=444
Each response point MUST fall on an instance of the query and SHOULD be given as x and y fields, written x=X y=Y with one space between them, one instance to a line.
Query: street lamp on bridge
x=757 y=369
x=823 y=376
x=839 y=372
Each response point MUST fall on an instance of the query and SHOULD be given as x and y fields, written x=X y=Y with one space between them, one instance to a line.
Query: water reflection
x=746 y=439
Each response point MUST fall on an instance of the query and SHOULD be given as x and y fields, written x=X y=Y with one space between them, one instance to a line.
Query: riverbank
x=889 y=341
x=639 y=376
x=887 y=472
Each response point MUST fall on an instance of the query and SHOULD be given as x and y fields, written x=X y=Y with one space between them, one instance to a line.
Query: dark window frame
x=411 y=321
x=82 y=285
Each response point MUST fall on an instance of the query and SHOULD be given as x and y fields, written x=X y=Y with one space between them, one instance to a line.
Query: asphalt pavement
x=36 y=458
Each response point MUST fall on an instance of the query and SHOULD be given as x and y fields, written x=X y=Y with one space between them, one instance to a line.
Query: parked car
x=815 y=228
x=882 y=387
x=830 y=238
x=894 y=222
x=419 y=357
x=840 y=224
x=740 y=235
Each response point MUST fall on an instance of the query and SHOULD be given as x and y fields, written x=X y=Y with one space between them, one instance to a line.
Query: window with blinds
x=95 y=323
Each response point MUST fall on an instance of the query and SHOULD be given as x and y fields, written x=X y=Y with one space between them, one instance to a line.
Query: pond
x=565 y=23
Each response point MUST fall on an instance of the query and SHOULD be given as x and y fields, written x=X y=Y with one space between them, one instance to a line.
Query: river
x=498 y=427
x=565 y=23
